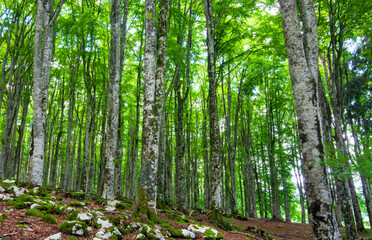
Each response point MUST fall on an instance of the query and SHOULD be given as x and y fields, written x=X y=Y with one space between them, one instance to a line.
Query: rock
x=111 y=205
x=188 y=234
x=35 y=205
x=140 y=236
x=151 y=233
x=75 y=228
x=57 y=236
x=135 y=225
x=208 y=232
x=85 y=217
x=5 y=197
x=108 y=233
x=102 y=222
x=9 y=181
x=2 y=189
x=18 y=191
x=181 y=233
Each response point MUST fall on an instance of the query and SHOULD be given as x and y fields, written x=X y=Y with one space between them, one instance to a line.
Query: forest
x=233 y=108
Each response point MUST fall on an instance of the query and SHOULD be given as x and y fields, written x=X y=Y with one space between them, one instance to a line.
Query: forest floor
x=17 y=221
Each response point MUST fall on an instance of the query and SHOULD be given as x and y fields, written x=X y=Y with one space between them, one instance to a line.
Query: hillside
x=37 y=213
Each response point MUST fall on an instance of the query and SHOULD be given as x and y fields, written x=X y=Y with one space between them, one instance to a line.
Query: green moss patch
x=75 y=228
x=49 y=218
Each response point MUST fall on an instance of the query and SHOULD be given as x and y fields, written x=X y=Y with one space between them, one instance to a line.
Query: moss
x=10 y=203
x=165 y=225
x=49 y=218
x=45 y=206
x=217 y=217
x=119 y=220
x=78 y=195
x=177 y=233
x=42 y=192
x=67 y=227
x=220 y=236
x=121 y=206
x=2 y=217
x=73 y=215
x=100 y=202
x=76 y=203
x=171 y=238
x=34 y=212
x=59 y=209
x=209 y=234
x=73 y=238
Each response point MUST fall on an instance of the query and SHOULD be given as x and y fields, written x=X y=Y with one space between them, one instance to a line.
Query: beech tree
x=43 y=56
x=304 y=87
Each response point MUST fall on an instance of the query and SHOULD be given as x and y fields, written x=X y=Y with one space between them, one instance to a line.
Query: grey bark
x=113 y=102
x=216 y=181
x=152 y=108
x=321 y=217
x=43 y=56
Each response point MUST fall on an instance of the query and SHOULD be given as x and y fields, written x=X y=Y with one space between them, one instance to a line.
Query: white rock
x=9 y=181
x=104 y=223
x=103 y=234
x=146 y=229
x=135 y=225
x=85 y=217
x=18 y=191
x=140 y=236
x=198 y=229
x=57 y=236
x=5 y=197
x=2 y=189
x=111 y=205
x=34 y=206
x=188 y=234
x=70 y=209
x=8 y=210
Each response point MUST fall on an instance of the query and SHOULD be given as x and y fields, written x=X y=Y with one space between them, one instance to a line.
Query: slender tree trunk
x=71 y=102
x=320 y=212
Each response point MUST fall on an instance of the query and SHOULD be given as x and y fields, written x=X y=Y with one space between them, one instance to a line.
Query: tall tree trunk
x=113 y=101
x=216 y=181
x=152 y=104
x=43 y=56
x=54 y=166
x=71 y=106
x=320 y=212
